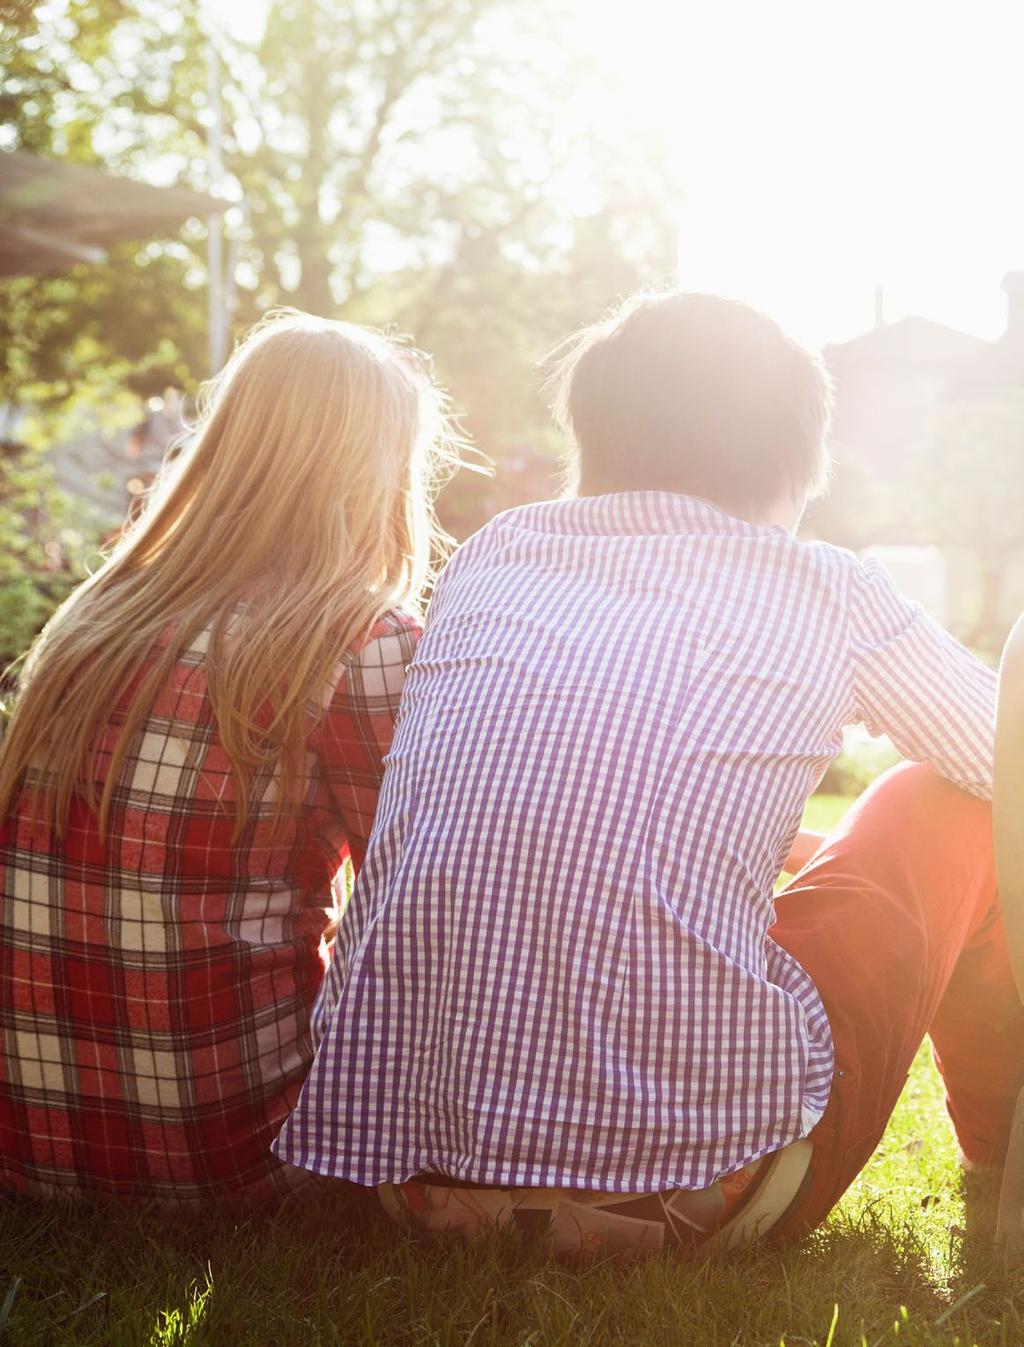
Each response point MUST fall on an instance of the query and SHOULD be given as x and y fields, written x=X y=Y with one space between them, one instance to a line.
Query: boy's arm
x=1008 y=800
x=920 y=686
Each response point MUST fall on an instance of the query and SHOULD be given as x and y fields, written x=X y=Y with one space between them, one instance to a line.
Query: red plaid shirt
x=155 y=990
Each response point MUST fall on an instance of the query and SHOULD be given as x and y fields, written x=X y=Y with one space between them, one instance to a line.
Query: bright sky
x=827 y=147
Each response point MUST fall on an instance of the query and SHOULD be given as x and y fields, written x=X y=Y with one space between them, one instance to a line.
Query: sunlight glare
x=245 y=20
x=824 y=149
x=827 y=148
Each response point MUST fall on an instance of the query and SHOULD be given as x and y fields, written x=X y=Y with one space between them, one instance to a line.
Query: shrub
x=860 y=761
x=47 y=539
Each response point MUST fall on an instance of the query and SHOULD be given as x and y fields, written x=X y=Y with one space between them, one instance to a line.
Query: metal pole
x=217 y=315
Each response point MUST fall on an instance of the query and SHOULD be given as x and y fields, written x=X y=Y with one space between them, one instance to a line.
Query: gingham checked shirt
x=555 y=968
x=155 y=992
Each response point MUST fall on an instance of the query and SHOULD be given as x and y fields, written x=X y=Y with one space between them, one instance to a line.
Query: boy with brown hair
x=563 y=992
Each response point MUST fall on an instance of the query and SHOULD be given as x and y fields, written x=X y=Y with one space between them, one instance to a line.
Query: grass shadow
x=334 y=1271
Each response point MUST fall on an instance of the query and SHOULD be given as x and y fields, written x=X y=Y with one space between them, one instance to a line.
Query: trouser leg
x=896 y=920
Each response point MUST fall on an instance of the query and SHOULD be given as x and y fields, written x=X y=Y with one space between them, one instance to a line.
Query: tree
x=414 y=163
x=858 y=509
x=417 y=163
x=45 y=547
x=114 y=84
x=390 y=133
x=970 y=501
x=369 y=141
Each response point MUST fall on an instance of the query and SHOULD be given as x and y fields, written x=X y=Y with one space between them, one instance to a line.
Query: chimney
x=879 y=307
x=1013 y=287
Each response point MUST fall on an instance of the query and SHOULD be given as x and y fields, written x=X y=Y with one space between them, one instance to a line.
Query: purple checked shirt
x=555 y=967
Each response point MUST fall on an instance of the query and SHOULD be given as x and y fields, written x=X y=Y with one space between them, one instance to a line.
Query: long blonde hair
x=294 y=516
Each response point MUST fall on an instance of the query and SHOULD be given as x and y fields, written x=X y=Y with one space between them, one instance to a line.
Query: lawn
x=823 y=812
x=896 y=1265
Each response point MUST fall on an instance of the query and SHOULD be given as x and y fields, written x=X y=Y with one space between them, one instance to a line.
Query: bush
x=47 y=540
x=860 y=761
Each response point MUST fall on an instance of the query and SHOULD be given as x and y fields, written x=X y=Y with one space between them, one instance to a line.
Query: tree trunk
x=312 y=238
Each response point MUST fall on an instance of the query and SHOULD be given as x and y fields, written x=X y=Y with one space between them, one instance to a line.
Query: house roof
x=54 y=214
x=909 y=343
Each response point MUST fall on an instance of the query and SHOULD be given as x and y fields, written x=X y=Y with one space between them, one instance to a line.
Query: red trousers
x=897 y=921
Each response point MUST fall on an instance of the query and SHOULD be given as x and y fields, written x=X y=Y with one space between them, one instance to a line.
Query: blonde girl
x=196 y=747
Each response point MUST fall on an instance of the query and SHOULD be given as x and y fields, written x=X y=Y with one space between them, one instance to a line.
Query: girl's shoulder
x=396 y=621
x=394 y=634
x=372 y=671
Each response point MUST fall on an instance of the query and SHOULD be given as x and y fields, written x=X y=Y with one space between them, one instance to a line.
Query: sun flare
x=826 y=151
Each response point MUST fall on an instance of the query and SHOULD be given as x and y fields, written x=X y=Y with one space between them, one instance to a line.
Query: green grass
x=895 y=1265
x=823 y=812
x=894 y=1258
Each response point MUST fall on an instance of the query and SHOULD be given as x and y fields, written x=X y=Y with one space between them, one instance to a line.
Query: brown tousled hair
x=697 y=394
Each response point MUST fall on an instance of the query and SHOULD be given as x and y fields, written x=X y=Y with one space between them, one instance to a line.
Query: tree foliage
x=113 y=84
x=970 y=500
x=407 y=161
x=44 y=552
x=429 y=165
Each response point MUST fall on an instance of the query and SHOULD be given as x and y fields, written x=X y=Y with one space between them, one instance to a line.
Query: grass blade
x=959 y=1304
x=8 y=1305
x=832 y=1325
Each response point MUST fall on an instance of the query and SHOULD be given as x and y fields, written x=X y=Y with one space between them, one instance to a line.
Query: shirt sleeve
x=355 y=734
x=920 y=686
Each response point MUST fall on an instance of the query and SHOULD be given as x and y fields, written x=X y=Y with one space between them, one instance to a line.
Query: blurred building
x=105 y=471
x=894 y=381
x=893 y=386
x=110 y=471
